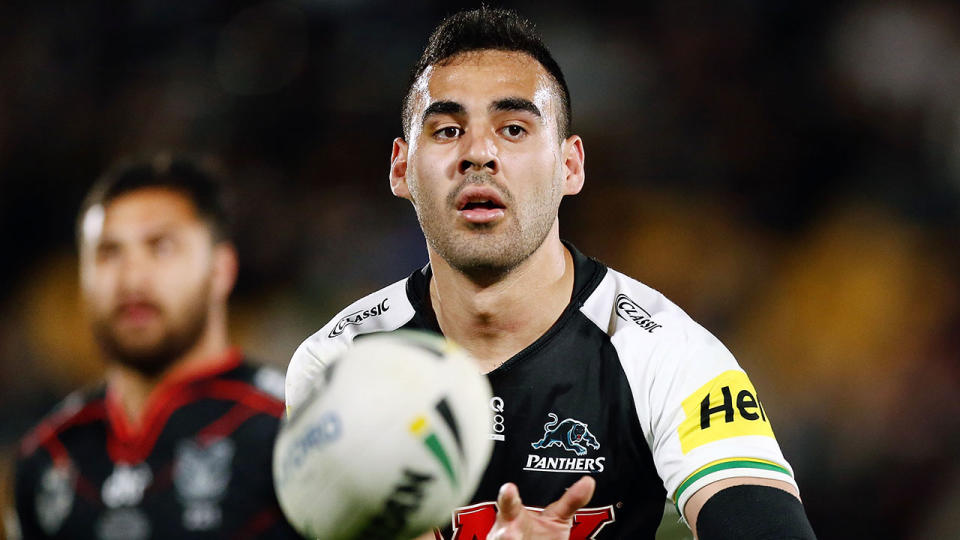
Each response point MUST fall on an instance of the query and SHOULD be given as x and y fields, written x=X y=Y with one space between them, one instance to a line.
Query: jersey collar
x=169 y=385
x=587 y=274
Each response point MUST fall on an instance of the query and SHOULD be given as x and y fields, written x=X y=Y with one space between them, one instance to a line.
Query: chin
x=149 y=356
x=491 y=263
x=482 y=251
x=151 y=366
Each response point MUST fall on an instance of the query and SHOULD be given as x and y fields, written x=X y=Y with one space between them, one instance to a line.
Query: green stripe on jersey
x=741 y=464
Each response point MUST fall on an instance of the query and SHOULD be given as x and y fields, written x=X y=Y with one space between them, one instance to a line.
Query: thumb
x=508 y=502
x=572 y=500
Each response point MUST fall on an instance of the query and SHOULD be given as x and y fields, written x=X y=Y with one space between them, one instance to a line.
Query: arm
x=747 y=508
x=696 y=502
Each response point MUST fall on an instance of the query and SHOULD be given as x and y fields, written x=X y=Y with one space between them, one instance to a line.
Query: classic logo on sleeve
x=357 y=317
x=725 y=407
x=629 y=310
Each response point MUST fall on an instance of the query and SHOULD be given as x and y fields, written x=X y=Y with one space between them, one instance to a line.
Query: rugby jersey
x=200 y=467
x=625 y=387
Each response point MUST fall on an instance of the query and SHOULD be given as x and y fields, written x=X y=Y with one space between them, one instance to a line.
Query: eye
x=447 y=133
x=107 y=251
x=162 y=245
x=514 y=131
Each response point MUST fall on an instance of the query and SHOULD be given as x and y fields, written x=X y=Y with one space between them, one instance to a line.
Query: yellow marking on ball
x=418 y=426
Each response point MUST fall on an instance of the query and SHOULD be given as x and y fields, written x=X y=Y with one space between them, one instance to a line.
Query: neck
x=133 y=388
x=494 y=321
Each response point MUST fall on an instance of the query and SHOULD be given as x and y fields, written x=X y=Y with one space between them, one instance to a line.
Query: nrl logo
x=571 y=435
x=358 y=317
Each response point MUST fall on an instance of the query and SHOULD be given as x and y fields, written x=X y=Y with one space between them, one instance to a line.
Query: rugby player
x=177 y=441
x=594 y=373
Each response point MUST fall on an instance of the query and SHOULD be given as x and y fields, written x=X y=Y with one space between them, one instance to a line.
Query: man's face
x=484 y=166
x=146 y=267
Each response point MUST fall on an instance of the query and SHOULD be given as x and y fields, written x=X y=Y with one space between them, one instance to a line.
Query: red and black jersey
x=199 y=467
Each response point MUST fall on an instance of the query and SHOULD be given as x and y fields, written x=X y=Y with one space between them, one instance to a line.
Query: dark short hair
x=181 y=174
x=487 y=28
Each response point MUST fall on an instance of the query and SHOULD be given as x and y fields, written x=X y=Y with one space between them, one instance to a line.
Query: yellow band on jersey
x=725 y=407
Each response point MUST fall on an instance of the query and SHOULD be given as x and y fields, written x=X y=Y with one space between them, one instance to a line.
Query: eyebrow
x=501 y=105
x=443 y=107
x=515 y=104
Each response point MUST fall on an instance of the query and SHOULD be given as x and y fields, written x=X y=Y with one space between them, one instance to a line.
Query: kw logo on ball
x=358 y=317
x=725 y=407
x=420 y=428
x=572 y=436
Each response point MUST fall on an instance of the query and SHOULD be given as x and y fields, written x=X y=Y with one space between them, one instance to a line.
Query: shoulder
x=382 y=311
x=668 y=359
x=79 y=408
x=255 y=378
x=643 y=324
x=698 y=408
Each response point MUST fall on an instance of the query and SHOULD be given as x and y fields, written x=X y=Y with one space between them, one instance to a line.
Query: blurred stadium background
x=789 y=173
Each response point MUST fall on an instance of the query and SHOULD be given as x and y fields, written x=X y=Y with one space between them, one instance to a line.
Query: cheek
x=178 y=280
x=539 y=158
x=99 y=288
x=435 y=161
x=425 y=181
x=534 y=173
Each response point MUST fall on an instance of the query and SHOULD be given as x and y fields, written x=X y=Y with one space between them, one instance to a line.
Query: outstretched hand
x=514 y=522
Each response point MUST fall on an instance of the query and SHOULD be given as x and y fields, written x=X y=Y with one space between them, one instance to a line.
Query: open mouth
x=480 y=205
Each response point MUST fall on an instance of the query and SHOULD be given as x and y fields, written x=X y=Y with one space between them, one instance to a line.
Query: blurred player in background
x=177 y=442
x=594 y=373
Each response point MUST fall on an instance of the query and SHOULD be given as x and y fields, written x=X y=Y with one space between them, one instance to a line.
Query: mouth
x=136 y=313
x=480 y=205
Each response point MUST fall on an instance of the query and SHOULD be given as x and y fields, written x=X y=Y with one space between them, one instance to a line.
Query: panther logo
x=570 y=434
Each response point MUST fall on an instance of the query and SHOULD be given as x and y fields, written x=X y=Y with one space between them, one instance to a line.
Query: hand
x=514 y=522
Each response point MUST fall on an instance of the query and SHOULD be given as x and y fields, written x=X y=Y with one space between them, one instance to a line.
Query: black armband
x=752 y=512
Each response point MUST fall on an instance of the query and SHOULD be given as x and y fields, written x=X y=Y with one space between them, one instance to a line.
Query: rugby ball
x=392 y=439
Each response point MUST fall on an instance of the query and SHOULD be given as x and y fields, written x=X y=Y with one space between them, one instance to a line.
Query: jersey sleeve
x=306 y=367
x=703 y=418
x=383 y=311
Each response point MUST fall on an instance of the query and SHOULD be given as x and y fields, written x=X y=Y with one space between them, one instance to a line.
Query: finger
x=572 y=500
x=508 y=502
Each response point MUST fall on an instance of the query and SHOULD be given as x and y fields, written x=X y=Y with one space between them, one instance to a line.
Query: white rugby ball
x=389 y=443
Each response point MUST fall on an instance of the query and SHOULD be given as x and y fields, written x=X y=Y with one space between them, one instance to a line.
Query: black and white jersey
x=625 y=387
x=199 y=467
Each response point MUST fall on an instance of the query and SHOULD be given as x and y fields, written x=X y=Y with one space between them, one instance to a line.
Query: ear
x=573 y=172
x=398 y=169
x=224 y=270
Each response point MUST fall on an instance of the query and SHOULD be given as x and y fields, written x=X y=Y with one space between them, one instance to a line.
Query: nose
x=480 y=154
x=134 y=272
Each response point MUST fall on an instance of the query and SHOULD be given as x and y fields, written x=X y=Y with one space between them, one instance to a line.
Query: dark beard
x=484 y=260
x=153 y=361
